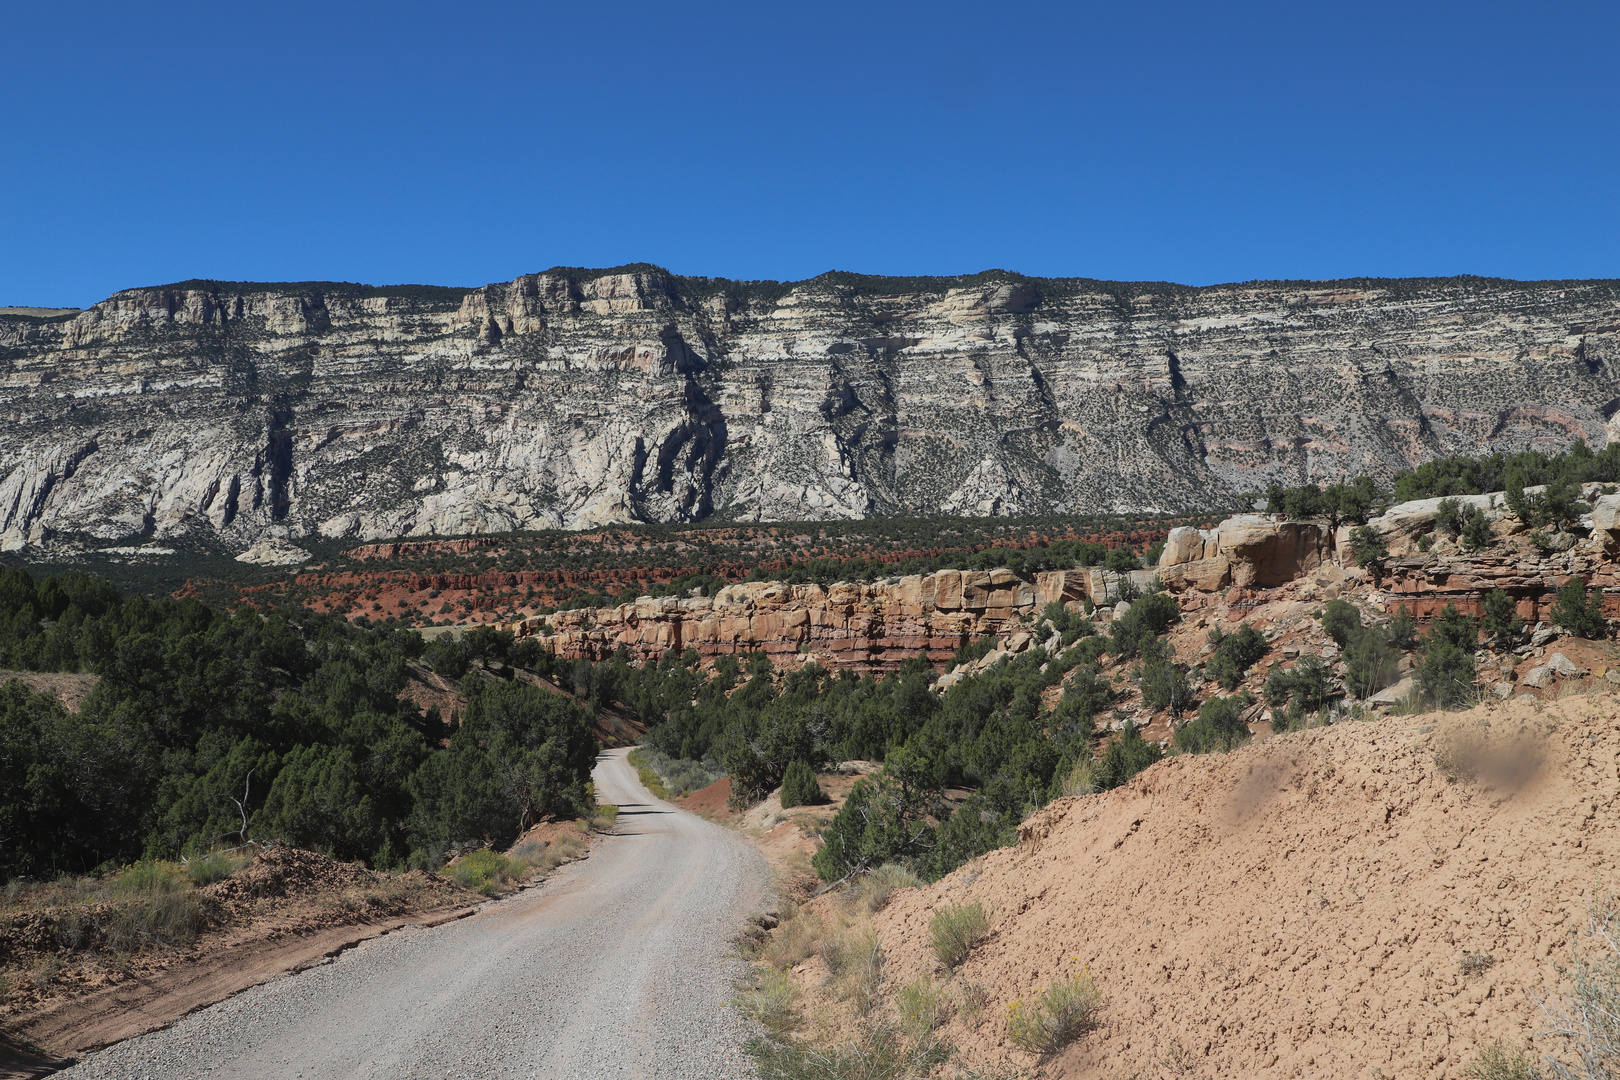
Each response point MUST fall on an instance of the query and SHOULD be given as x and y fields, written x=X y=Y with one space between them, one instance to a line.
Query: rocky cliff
x=873 y=626
x=233 y=413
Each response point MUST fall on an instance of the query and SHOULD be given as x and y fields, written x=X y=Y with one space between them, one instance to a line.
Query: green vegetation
x=1512 y=473
x=799 y=787
x=1218 y=728
x=481 y=871
x=205 y=728
x=1371 y=654
x=1355 y=501
x=1234 y=655
x=1501 y=618
x=954 y=929
x=1303 y=688
x=1367 y=545
x=1056 y=1016
x=672 y=778
x=1498 y=1061
x=1578 y=614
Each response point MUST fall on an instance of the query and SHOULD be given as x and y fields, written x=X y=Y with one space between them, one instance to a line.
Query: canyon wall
x=229 y=413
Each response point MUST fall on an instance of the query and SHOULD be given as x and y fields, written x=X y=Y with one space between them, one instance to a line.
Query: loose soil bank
x=1299 y=907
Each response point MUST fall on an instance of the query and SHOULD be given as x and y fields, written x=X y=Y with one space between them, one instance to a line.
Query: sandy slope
x=618 y=967
x=1299 y=907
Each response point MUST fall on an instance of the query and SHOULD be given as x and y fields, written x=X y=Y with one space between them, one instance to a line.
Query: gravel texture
x=620 y=965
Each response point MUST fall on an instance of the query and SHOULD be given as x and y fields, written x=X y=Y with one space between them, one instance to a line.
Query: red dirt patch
x=712 y=802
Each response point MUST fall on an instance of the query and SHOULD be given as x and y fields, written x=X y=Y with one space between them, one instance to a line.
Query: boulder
x=274 y=552
x=1393 y=695
x=1186 y=544
x=1606 y=514
x=1538 y=677
x=1267 y=552
x=1206 y=575
x=1564 y=666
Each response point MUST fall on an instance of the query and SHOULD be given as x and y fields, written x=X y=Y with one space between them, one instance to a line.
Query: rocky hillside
x=229 y=412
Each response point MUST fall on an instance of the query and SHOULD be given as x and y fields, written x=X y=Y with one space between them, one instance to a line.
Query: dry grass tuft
x=955 y=929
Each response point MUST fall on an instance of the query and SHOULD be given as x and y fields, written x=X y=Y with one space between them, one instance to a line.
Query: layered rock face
x=236 y=413
x=1247 y=559
x=865 y=627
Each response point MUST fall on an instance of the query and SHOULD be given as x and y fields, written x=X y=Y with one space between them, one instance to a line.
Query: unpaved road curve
x=618 y=966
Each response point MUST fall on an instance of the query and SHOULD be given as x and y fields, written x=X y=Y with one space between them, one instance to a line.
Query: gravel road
x=618 y=966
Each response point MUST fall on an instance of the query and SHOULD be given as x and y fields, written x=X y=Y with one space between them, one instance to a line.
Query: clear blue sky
x=464 y=143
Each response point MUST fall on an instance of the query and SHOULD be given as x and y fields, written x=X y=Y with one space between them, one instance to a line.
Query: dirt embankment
x=78 y=977
x=1300 y=907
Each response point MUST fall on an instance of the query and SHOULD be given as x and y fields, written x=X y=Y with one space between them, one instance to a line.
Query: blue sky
x=460 y=144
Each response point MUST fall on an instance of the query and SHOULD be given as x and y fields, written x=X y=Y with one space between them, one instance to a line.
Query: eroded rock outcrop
x=864 y=626
x=1244 y=550
x=237 y=412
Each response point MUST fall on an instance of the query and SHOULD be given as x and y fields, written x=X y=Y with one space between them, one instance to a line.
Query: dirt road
x=618 y=966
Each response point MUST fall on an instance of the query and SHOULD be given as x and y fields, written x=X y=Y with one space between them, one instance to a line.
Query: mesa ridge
x=235 y=412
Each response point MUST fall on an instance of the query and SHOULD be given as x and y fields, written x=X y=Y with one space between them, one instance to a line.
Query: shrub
x=919 y=1004
x=1165 y=686
x=1219 y=727
x=150 y=877
x=875 y=888
x=1448 y=517
x=1497 y=1062
x=955 y=929
x=209 y=868
x=878 y=1051
x=1234 y=655
x=640 y=758
x=884 y=819
x=1082 y=779
x=1453 y=626
x=1502 y=616
x=168 y=918
x=1445 y=675
x=1121 y=559
x=481 y=871
x=1125 y=757
x=1148 y=617
x=1368 y=546
x=1086 y=695
x=1589 y=1022
x=861 y=964
x=1304 y=686
x=1056 y=1016
x=1575 y=613
x=1476 y=529
x=799 y=786
x=1371 y=664
x=1341 y=621
x=977 y=650
x=1401 y=633
x=772 y=1002
x=972 y=830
